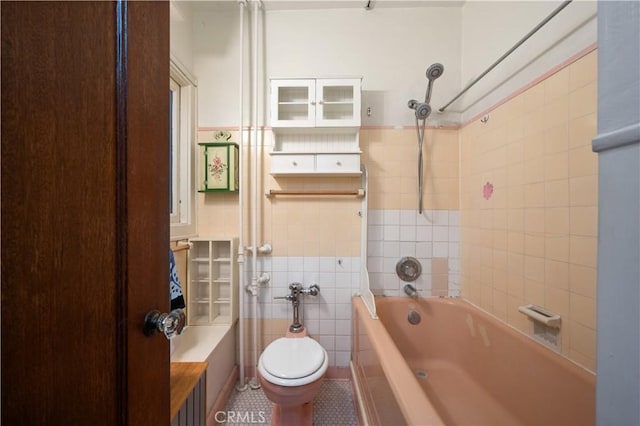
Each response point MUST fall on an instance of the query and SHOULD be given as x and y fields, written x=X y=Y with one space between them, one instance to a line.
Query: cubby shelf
x=212 y=292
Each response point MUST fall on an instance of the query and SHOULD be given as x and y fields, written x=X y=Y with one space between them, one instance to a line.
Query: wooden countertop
x=184 y=376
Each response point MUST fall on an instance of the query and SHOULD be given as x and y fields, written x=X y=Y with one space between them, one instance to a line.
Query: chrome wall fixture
x=422 y=112
x=295 y=291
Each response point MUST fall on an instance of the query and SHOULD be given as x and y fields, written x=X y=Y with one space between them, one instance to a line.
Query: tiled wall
x=433 y=238
x=395 y=229
x=326 y=316
x=534 y=238
x=391 y=156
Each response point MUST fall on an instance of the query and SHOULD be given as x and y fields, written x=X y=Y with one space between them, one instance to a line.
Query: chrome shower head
x=435 y=71
x=423 y=111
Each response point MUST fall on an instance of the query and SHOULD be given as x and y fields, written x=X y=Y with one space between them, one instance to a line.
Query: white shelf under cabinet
x=336 y=164
x=212 y=291
x=316 y=126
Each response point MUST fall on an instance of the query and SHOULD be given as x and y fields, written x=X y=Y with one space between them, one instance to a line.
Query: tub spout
x=411 y=291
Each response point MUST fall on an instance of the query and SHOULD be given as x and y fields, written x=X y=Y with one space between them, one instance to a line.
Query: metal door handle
x=170 y=324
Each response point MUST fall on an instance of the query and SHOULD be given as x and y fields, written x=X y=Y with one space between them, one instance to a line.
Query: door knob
x=170 y=324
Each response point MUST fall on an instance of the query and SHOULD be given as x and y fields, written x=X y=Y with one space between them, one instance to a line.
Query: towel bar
x=359 y=193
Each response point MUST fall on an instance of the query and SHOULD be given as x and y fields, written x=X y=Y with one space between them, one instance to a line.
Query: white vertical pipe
x=241 y=266
x=254 y=220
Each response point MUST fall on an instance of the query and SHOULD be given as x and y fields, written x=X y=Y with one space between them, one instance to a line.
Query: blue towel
x=177 y=300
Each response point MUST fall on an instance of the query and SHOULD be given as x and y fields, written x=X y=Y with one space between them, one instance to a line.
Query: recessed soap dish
x=540 y=314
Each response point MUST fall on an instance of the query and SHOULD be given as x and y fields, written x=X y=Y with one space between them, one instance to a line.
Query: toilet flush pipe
x=242 y=386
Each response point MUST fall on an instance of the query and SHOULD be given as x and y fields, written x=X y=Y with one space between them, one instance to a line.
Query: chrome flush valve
x=296 y=289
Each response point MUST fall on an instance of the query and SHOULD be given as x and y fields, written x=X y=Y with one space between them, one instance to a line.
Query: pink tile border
x=560 y=66
x=338 y=373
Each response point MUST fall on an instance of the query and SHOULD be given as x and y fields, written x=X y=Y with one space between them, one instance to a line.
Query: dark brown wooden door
x=84 y=212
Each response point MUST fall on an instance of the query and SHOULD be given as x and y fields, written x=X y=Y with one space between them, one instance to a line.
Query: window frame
x=183 y=222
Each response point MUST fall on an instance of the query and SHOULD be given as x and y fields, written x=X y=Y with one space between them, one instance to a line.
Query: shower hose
x=420 y=126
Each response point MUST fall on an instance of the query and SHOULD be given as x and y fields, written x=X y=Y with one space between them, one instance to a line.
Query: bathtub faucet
x=411 y=291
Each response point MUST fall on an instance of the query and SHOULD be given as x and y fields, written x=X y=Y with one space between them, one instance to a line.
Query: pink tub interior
x=460 y=366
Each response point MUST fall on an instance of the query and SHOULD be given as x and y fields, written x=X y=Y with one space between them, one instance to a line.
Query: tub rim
x=398 y=374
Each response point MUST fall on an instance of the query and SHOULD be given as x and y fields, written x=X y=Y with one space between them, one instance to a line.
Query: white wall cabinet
x=316 y=126
x=212 y=294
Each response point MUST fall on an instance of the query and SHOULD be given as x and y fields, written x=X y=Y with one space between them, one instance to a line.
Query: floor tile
x=333 y=406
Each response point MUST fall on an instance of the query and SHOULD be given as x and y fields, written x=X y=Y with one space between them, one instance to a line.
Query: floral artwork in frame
x=220 y=162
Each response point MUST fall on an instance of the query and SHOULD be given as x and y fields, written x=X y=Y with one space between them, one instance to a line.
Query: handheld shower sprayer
x=433 y=72
x=423 y=109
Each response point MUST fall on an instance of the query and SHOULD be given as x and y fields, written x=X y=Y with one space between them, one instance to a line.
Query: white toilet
x=291 y=370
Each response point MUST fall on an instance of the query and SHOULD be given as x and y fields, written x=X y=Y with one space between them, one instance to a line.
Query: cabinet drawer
x=298 y=163
x=338 y=163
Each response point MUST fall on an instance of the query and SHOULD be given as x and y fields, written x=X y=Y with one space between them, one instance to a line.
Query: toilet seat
x=293 y=361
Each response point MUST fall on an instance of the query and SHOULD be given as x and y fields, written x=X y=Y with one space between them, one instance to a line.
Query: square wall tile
x=542 y=217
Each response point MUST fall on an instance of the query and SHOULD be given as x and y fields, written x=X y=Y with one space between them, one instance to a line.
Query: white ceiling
x=338 y=4
x=327 y=4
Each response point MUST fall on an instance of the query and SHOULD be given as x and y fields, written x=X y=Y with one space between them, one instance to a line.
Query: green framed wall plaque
x=219 y=167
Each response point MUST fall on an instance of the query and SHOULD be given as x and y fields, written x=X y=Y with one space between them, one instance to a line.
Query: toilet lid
x=293 y=358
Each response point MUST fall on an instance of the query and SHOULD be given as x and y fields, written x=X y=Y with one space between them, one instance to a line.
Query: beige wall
x=295 y=226
x=534 y=241
x=330 y=226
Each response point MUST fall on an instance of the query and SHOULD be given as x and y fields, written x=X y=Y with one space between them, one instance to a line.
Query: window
x=182 y=117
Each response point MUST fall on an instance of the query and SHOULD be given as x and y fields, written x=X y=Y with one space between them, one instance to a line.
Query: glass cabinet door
x=338 y=103
x=293 y=103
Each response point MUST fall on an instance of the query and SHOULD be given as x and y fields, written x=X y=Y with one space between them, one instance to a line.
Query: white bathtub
x=214 y=344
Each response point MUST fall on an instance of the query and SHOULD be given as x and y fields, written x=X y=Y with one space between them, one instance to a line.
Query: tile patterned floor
x=333 y=406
